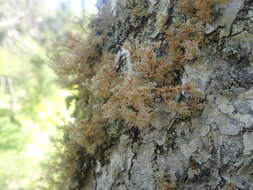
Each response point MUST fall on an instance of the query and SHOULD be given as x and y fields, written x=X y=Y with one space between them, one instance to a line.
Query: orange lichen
x=130 y=101
x=164 y=20
x=165 y=185
x=150 y=68
x=203 y=10
x=105 y=94
x=89 y=134
x=184 y=42
x=160 y=72
x=134 y=10
x=105 y=79
x=190 y=103
x=230 y=186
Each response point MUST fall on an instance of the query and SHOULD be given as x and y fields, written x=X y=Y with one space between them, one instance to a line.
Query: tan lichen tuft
x=165 y=185
x=203 y=10
x=230 y=186
x=184 y=41
x=130 y=101
x=89 y=134
x=105 y=79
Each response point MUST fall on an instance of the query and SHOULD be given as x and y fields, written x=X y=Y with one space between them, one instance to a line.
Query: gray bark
x=212 y=151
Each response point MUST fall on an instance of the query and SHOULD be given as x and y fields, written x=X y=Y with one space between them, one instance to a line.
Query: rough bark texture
x=213 y=150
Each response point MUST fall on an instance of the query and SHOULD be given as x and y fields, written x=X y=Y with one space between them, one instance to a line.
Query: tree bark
x=212 y=150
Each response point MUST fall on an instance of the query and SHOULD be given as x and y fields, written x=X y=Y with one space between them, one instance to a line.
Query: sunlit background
x=32 y=105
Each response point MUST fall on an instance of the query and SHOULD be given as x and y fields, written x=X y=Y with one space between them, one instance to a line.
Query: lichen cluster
x=106 y=95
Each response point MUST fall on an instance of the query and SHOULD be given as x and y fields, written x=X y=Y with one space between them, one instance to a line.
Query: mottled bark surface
x=213 y=150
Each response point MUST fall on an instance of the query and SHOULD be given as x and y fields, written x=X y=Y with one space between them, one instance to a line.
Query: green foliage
x=30 y=107
x=31 y=104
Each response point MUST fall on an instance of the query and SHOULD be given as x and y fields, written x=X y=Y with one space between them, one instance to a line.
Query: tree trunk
x=188 y=144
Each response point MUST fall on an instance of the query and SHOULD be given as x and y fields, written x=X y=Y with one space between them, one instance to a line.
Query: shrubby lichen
x=106 y=95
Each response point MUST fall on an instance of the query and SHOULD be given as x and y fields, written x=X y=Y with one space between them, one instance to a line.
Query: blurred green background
x=31 y=103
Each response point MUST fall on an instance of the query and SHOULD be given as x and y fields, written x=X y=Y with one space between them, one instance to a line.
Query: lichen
x=106 y=95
